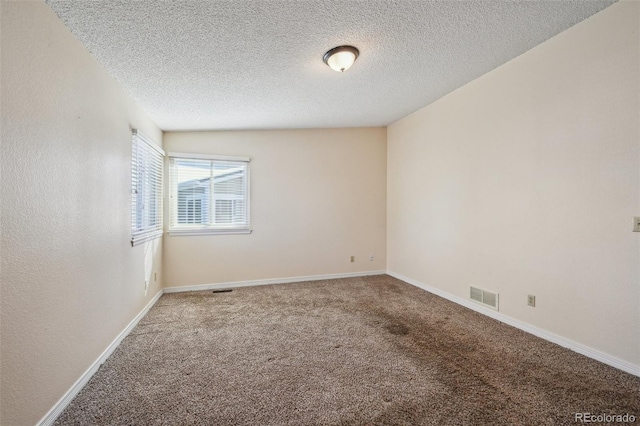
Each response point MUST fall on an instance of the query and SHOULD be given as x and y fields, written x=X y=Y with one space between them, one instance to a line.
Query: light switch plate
x=636 y=224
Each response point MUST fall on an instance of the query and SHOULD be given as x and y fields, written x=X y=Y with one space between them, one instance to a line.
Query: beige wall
x=525 y=181
x=71 y=281
x=317 y=197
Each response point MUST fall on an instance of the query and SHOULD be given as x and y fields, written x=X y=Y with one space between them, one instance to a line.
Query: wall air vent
x=484 y=297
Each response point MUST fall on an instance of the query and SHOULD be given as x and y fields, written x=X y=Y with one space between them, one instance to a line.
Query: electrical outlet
x=155 y=276
x=531 y=300
x=353 y=259
x=636 y=224
x=371 y=258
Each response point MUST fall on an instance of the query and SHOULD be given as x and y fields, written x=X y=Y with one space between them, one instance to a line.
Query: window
x=209 y=194
x=146 y=189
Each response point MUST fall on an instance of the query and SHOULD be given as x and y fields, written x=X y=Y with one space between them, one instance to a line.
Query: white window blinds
x=146 y=189
x=209 y=195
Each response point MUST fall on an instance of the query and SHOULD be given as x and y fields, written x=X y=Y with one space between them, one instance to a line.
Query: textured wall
x=70 y=280
x=317 y=197
x=525 y=181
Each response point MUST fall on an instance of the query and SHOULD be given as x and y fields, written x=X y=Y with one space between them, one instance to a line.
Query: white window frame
x=147 y=163
x=175 y=229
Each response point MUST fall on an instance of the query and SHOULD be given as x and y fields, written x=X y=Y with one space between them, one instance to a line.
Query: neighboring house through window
x=209 y=194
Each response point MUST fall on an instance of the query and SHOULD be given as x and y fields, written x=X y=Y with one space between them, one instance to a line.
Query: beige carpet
x=357 y=351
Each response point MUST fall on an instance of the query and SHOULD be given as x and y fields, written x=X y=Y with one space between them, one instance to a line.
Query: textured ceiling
x=257 y=64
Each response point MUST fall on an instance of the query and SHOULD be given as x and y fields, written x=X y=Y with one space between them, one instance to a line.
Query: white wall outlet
x=155 y=276
x=353 y=259
x=636 y=224
x=531 y=300
x=370 y=258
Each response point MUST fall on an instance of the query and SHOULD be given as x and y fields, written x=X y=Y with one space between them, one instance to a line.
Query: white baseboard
x=55 y=411
x=235 y=284
x=544 y=334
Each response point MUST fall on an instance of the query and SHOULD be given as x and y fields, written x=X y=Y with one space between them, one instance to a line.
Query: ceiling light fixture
x=341 y=58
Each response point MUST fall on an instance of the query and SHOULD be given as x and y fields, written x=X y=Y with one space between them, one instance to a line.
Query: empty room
x=319 y=212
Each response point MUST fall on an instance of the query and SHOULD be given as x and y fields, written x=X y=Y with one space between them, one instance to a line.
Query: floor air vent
x=485 y=297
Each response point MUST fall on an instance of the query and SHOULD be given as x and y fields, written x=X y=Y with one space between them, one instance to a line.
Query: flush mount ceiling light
x=341 y=58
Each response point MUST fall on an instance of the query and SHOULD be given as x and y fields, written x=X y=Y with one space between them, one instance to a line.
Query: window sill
x=209 y=231
x=144 y=237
